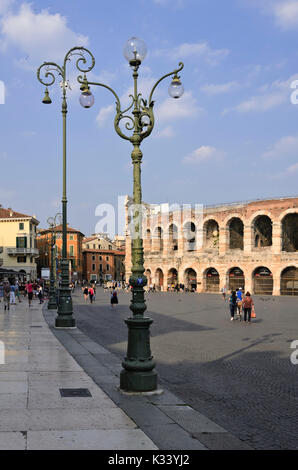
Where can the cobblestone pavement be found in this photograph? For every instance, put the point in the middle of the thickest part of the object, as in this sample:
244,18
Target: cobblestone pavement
238,375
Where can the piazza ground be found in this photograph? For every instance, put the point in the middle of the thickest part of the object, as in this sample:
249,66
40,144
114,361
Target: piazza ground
238,375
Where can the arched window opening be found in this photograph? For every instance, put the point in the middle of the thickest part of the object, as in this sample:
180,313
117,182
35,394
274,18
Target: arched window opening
262,231
190,236
211,235
290,233
173,237
212,280
236,232
263,281
289,281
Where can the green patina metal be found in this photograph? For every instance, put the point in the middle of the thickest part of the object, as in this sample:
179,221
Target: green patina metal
138,374
52,221
65,317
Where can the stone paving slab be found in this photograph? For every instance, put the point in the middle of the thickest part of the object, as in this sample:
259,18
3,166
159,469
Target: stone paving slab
133,439
33,414
13,440
191,420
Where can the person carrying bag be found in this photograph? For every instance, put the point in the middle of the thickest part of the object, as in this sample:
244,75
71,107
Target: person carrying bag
248,306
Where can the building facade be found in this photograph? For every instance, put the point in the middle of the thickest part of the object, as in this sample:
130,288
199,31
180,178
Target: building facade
103,265
18,249
74,250
253,245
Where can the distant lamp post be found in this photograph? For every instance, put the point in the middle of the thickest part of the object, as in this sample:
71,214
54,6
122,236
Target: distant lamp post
53,222
138,374
65,317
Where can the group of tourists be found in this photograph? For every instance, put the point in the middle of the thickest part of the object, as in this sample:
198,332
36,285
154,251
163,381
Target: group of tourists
89,292
241,304
11,291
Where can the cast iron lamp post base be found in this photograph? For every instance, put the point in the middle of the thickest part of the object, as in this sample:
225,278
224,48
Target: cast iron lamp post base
65,317
138,374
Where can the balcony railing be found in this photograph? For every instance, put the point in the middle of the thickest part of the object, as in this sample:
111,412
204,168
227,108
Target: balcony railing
22,251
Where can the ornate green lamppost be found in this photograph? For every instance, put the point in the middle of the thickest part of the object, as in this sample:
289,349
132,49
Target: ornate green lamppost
138,374
65,317
53,222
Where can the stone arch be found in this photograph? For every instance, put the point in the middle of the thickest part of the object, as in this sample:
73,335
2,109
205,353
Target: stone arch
189,235
211,234
256,214
173,235
236,278
262,281
289,228
262,231
289,281
158,238
172,278
211,280
190,279
148,276
159,278
148,240
235,228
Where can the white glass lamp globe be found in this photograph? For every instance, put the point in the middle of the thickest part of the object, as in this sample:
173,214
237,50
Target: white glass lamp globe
87,99
176,88
135,50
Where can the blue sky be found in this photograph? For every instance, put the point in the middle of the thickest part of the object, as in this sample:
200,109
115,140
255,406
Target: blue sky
233,136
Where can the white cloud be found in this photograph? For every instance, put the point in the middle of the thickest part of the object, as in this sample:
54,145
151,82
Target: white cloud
200,50
284,12
5,6
38,35
271,96
285,147
202,154
211,89
173,109
104,114
167,133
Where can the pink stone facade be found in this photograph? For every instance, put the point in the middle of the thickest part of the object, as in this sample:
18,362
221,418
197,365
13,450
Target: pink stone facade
252,245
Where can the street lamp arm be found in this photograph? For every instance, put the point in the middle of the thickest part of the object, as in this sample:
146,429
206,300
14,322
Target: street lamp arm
49,67
175,72
80,52
119,114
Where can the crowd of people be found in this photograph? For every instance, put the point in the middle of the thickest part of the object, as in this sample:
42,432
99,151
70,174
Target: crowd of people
13,291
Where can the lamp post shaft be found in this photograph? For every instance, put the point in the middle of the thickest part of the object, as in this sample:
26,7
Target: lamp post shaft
138,374
65,317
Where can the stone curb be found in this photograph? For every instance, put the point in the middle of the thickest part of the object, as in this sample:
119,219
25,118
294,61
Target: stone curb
168,421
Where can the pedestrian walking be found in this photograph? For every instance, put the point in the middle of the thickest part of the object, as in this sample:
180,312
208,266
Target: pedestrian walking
233,304
114,298
6,295
1,291
86,293
12,295
17,291
239,295
40,295
91,294
248,304
29,290
224,292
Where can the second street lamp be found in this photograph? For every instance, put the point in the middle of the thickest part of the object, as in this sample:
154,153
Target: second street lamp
138,374
52,222
65,317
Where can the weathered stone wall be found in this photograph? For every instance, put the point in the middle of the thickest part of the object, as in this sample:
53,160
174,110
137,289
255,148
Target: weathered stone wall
276,247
